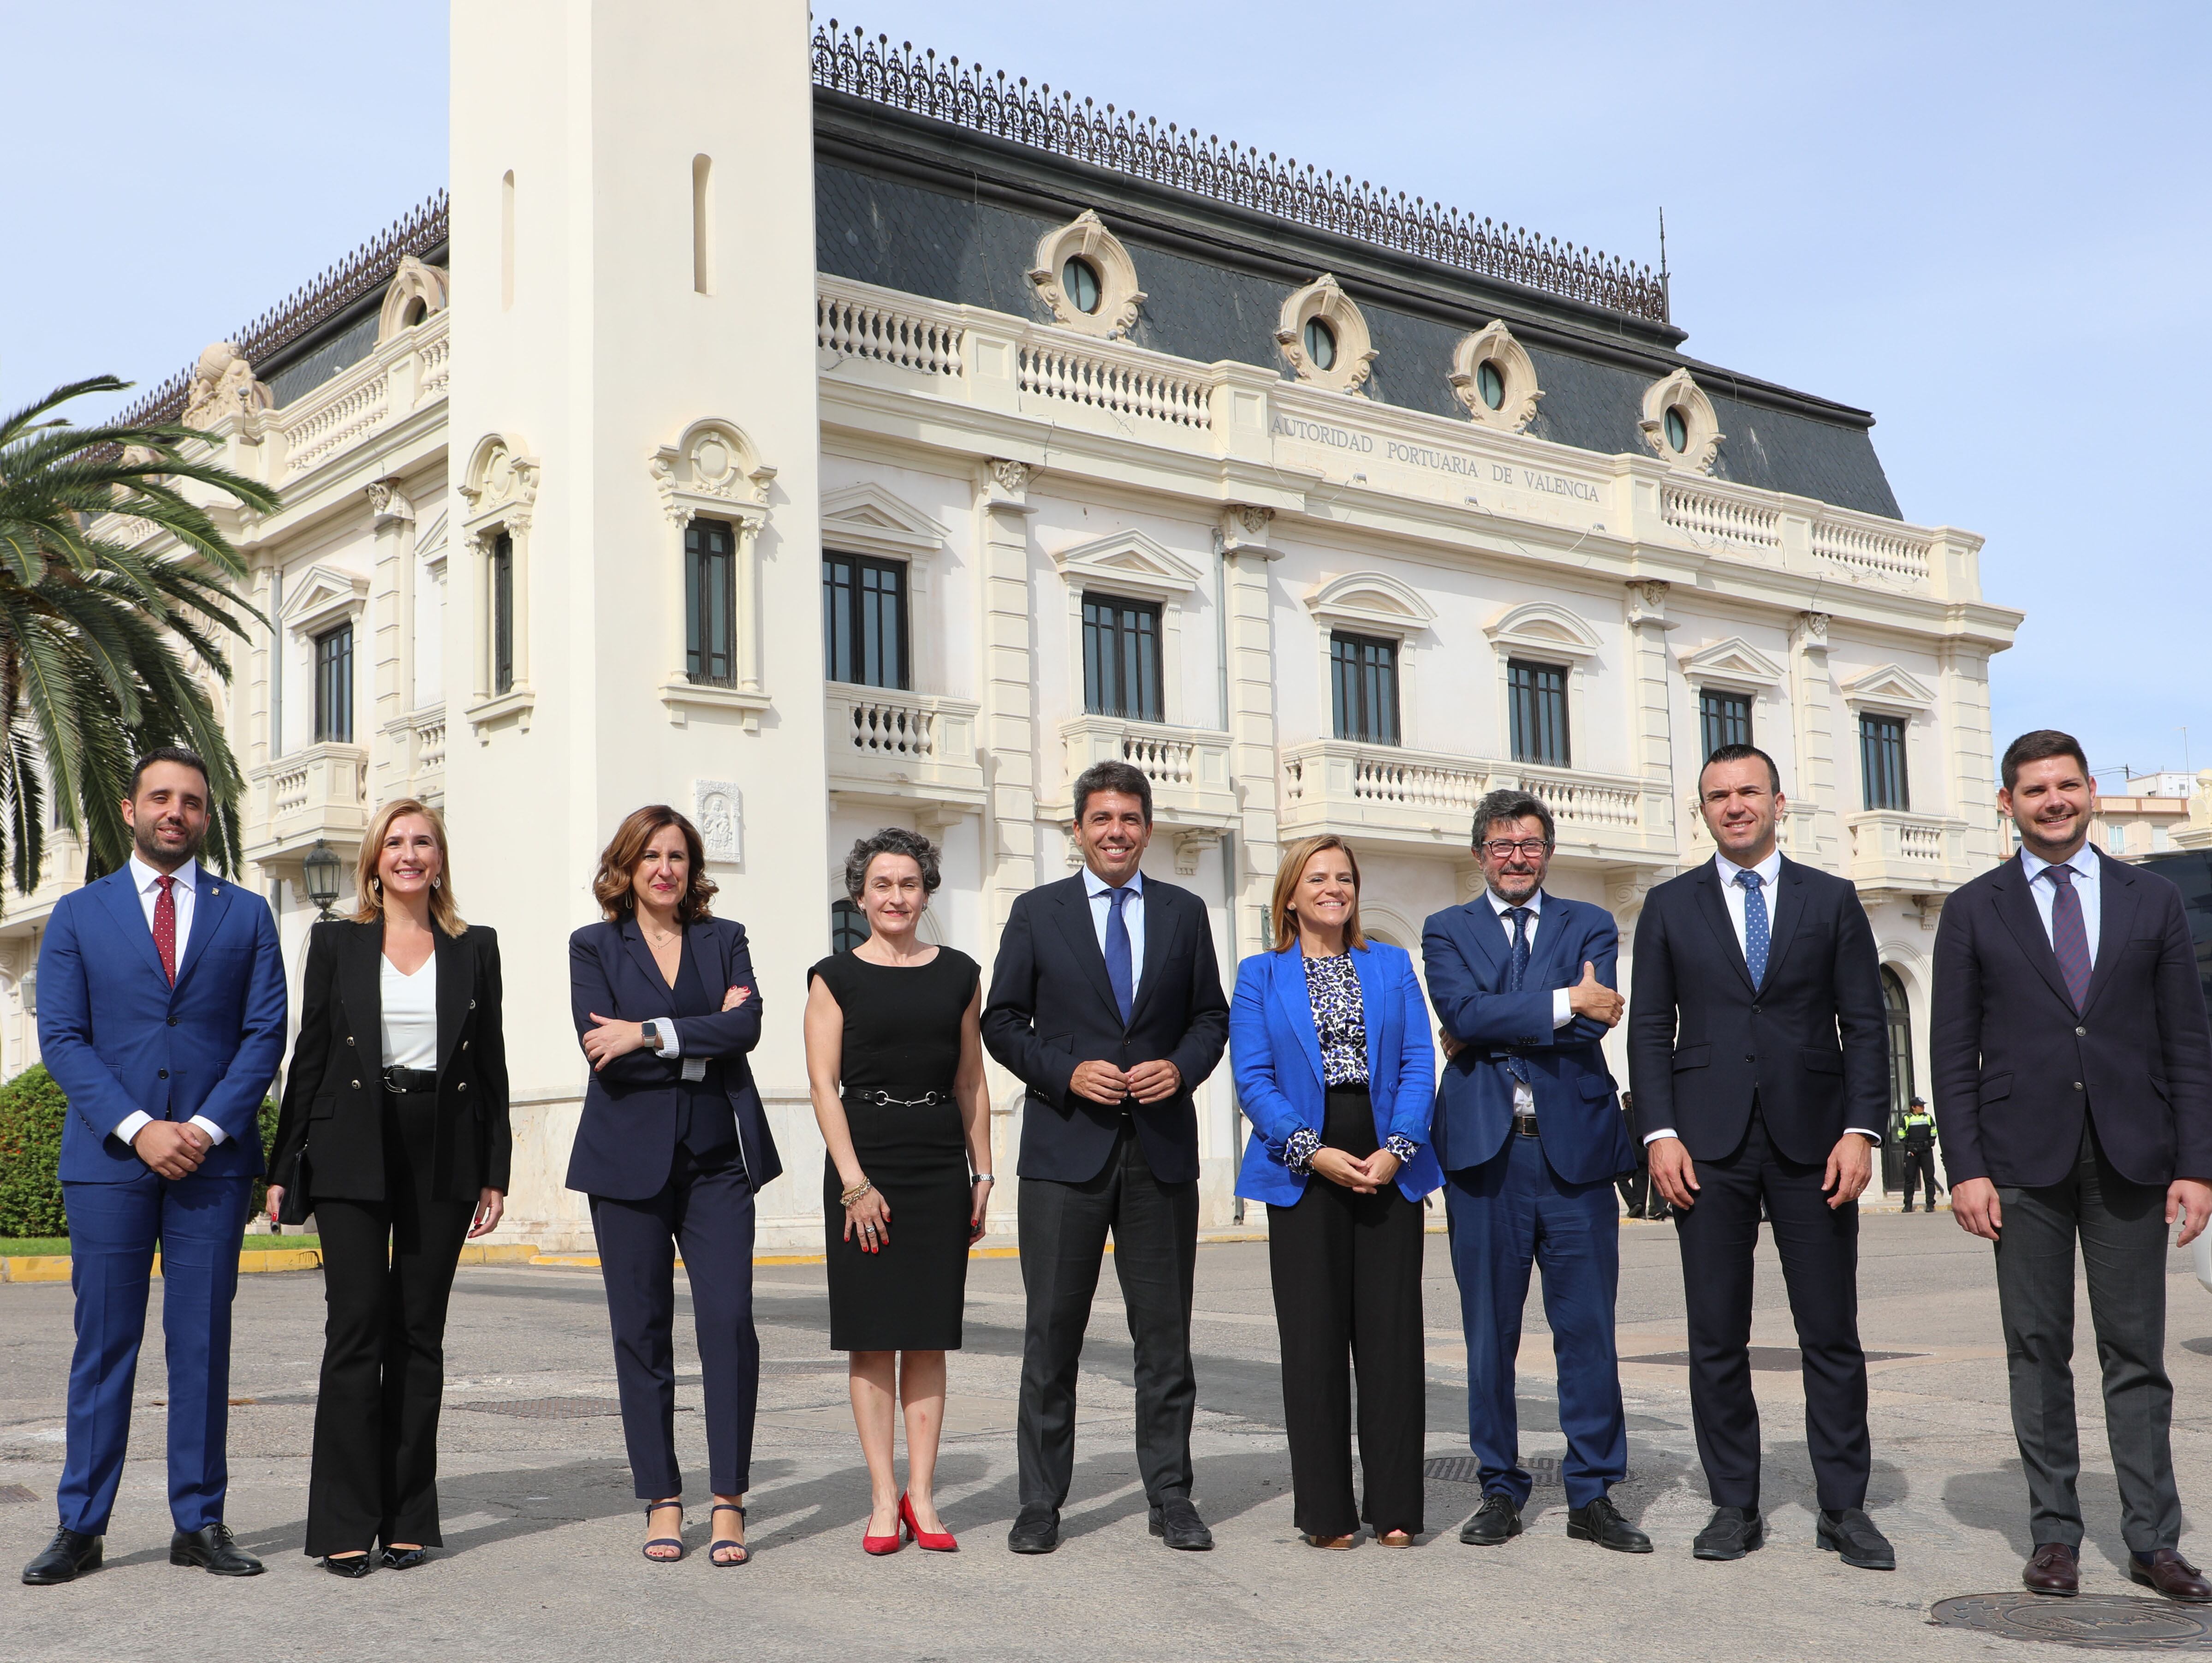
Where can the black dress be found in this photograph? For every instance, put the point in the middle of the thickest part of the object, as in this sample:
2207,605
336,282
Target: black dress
901,1043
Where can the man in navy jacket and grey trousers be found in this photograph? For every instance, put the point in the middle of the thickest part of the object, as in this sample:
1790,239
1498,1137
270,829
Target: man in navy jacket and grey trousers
2074,1087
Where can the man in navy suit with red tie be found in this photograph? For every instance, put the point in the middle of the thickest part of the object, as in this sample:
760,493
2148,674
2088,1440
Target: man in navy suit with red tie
162,1016
2073,1072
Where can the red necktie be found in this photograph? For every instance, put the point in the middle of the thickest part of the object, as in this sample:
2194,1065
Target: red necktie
165,926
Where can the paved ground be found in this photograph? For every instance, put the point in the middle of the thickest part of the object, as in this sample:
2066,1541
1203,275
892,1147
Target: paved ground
543,1561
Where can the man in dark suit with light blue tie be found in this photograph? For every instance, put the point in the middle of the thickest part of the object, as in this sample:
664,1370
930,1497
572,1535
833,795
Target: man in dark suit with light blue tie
2073,1071
1530,1141
162,1015
1106,1002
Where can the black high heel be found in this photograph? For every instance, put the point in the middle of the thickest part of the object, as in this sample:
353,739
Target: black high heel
353,1567
714,1553
675,1542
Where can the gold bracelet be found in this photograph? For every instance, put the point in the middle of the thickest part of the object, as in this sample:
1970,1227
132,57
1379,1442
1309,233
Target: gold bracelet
856,1192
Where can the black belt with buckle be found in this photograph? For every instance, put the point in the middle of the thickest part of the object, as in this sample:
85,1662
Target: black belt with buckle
1524,1125
402,1083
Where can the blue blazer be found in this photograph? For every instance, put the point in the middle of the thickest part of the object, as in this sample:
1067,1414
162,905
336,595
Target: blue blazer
1466,952
119,1039
1276,1053
626,1138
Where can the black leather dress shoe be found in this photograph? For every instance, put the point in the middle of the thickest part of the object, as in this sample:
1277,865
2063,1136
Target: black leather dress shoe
1600,1522
2171,1575
405,1558
1037,1530
1731,1533
68,1556
1851,1534
1176,1522
213,1548
1495,1523
353,1566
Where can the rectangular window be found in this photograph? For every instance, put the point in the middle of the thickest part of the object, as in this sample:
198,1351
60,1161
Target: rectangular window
1724,719
710,618
334,686
864,620
1882,762
1538,696
1122,658
502,614
1363,676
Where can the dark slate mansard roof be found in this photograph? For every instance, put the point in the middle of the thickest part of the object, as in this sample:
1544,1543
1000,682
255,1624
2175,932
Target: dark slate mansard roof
1215,275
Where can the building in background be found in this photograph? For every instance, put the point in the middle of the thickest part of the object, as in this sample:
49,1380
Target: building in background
889,443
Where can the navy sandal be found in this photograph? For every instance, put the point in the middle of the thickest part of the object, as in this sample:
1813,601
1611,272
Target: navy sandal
715,1552
675,1542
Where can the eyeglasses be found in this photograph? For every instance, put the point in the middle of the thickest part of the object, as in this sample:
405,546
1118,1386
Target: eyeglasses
1502,850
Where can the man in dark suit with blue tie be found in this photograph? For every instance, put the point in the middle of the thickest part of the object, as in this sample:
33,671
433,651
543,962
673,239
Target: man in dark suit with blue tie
2073,1072
1530,1141
162,1016
1106,1002
1758,1051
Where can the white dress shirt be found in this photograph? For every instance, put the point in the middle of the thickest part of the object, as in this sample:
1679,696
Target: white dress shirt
1132,919
2087,874
1524,1095
409,1008
146,880
1732,892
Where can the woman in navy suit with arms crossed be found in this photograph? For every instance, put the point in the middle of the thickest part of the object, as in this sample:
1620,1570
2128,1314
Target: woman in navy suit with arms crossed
1328,1035
673,1148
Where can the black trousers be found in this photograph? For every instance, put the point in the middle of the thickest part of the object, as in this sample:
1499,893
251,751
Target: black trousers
2122,1228
1063,1229
706,1205
1920,1173
1346,1270
1819,1251
387,1272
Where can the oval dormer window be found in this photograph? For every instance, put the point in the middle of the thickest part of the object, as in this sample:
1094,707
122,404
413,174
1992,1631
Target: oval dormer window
1320,344
1678,430
1079,281
1489,382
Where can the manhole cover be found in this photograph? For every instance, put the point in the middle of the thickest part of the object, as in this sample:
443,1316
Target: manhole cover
1542,1470
15,1492
1770,1359
2107,1621
547,1409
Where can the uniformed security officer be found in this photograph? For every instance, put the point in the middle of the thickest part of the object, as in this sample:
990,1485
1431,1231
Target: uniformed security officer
1919,1152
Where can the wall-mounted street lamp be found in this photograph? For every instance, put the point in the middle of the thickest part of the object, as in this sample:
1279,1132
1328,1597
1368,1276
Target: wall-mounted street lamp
320,869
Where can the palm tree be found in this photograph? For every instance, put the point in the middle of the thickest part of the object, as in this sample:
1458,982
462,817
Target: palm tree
104,649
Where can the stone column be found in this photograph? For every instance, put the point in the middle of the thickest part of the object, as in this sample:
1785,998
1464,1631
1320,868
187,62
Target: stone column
1255,768
1818,785
391,651
1651,728
1969,761
1007,721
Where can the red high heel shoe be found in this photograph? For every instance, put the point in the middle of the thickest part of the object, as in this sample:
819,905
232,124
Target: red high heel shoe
883,1544
932,1541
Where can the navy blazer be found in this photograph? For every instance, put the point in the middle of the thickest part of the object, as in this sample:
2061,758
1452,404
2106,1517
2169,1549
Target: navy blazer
1276,1051
118,1039
1052,1006
626,1140
1467,953
2016,1064
1810,1044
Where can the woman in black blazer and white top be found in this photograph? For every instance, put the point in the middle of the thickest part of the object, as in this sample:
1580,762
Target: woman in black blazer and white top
672,1147
394,1133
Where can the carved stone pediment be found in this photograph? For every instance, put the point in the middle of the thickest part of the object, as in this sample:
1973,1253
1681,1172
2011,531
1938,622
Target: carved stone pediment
222,385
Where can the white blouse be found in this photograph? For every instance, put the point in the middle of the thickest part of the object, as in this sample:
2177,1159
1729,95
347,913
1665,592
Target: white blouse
410,1014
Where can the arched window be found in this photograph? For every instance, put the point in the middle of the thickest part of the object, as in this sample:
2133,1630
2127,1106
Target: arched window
1899,1015
849,926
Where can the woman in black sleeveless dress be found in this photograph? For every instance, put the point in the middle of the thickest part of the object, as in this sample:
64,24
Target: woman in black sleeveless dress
894,1058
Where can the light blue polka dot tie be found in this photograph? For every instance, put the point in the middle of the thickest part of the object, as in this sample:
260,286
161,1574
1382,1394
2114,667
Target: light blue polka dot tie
1754,925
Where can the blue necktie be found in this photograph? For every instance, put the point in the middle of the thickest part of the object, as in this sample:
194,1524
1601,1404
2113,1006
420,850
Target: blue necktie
1516,972
2069,934
1120,968
1754,925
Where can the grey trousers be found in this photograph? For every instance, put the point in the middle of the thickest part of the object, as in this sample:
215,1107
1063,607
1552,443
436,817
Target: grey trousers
2122,1227
1063,1229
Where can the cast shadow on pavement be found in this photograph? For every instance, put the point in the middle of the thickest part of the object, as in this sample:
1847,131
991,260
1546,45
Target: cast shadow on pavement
1997,1501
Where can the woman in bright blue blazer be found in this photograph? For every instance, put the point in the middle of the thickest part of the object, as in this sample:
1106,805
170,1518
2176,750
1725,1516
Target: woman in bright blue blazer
1328,1035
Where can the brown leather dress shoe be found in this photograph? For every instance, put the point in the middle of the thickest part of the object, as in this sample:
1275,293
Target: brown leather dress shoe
2054,1568
2171,1575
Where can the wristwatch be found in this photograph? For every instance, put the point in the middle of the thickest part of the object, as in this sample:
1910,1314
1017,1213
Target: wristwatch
650,1033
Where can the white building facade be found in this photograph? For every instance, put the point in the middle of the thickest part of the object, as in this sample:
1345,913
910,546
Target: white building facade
884,447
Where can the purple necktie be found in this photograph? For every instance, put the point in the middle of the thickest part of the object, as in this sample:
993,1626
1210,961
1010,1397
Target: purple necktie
2069,939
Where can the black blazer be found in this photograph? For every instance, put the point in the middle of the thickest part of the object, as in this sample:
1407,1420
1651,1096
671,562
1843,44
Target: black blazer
626,1140
333,1107
1052,1006
1811,1042
2016,1064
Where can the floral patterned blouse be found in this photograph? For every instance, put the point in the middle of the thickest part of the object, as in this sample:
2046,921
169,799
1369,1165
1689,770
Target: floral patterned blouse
1340,1020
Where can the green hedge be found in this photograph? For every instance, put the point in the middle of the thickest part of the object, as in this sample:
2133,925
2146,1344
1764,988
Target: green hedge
32,1111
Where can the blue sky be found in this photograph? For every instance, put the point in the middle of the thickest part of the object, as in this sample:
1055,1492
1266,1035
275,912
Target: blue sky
1986,223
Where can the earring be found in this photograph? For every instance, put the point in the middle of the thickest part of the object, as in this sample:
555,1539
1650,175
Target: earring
435,882
377,884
